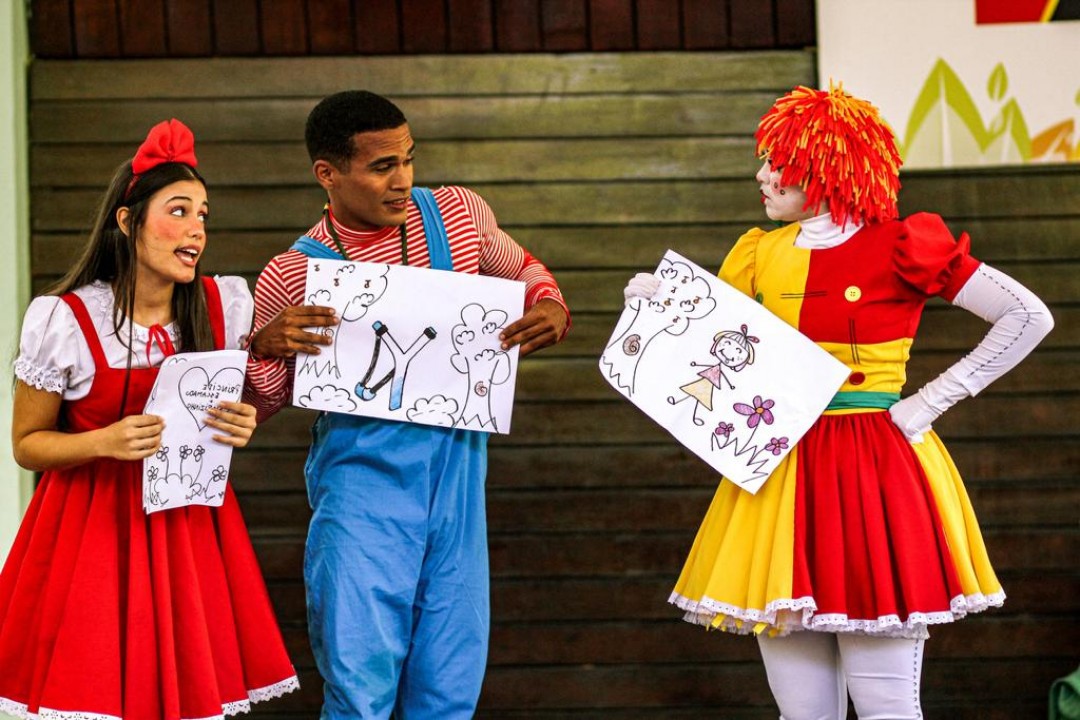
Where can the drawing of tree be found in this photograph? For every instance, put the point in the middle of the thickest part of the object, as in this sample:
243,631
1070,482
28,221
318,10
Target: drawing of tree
682,298
478,357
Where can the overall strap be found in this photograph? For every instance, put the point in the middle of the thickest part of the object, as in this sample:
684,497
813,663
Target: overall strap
437,242
313,248
216,312
88,330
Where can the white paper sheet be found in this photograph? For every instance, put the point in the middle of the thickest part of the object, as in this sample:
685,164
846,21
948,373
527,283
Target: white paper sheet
414,344
190,467
732,382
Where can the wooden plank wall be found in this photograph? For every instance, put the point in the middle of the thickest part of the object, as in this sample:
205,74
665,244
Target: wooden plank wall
597,164
229,28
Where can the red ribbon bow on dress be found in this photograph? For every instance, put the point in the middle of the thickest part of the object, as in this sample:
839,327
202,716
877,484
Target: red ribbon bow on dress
168,141
159,336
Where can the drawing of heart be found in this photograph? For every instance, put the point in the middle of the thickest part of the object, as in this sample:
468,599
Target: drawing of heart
199,391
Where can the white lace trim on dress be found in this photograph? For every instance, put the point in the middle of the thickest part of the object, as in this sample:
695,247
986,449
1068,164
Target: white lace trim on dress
788,615
49,379
273,691
19,710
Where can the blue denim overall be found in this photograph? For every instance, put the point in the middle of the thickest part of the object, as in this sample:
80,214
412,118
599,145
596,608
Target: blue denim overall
396,564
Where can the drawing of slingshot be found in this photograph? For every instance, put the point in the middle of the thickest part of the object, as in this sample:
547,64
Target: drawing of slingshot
400,359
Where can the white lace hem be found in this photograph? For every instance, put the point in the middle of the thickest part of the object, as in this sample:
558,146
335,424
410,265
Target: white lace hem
49,379
19,710
273,691
785,616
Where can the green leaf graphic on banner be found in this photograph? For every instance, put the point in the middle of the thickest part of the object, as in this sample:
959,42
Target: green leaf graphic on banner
1010,141
998,84
944,127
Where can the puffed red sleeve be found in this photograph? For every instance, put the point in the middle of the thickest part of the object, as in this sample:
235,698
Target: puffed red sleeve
930,259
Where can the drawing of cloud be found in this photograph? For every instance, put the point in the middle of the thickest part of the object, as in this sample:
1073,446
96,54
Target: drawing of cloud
367,286
328,397
319,297
435,410
682,296
478,328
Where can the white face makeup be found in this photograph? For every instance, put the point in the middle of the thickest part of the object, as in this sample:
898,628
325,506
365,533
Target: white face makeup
782,203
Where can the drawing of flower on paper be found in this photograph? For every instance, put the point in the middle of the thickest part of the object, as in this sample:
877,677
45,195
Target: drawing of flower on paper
777,445
760,411
723,429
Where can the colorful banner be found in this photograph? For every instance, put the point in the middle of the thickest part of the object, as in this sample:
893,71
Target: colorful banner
988,12
962,82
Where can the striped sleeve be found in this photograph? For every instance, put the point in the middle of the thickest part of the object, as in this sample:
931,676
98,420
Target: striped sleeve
269,381
501,256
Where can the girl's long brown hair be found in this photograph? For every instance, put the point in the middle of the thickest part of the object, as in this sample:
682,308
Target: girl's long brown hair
110,256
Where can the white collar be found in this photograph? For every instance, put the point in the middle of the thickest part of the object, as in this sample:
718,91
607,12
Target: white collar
818,233
101,293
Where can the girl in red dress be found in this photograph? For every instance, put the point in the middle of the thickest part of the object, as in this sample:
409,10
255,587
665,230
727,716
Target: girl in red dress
107,612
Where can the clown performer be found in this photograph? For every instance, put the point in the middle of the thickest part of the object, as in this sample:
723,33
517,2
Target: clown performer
863,537
396,563
107,612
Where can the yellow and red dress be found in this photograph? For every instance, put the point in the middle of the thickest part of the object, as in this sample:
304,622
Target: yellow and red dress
858,530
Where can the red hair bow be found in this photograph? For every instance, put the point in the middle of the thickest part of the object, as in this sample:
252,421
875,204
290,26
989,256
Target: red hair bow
168,141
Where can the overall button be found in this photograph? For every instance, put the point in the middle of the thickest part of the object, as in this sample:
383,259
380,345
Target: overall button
853,293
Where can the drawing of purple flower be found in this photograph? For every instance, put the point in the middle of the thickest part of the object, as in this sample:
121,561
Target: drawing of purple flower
777,445
757,413
723,429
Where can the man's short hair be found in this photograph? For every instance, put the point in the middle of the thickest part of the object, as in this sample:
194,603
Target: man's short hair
332,123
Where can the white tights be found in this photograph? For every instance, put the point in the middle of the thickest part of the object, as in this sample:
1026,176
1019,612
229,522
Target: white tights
812,673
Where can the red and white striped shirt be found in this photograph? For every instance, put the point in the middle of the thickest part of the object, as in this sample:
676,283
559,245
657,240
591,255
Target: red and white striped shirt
477,246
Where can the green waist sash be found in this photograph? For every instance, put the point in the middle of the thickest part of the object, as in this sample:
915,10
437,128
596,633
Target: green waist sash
853,399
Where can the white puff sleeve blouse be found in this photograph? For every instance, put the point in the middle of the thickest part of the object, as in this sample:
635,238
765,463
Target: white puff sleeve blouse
54,355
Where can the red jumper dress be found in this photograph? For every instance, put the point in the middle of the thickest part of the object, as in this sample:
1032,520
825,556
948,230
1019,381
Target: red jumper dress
107,612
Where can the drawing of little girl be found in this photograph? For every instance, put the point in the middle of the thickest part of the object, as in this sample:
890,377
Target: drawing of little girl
735,350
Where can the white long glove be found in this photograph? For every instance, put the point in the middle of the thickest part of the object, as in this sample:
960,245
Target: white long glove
1020,321
642,285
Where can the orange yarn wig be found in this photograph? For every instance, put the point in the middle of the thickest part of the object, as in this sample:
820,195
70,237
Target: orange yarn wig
837,148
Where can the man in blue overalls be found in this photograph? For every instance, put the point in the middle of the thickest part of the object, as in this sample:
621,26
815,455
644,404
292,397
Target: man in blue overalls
396,564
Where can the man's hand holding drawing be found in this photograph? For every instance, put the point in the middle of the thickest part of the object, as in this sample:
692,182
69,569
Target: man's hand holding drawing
285,334
542,325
